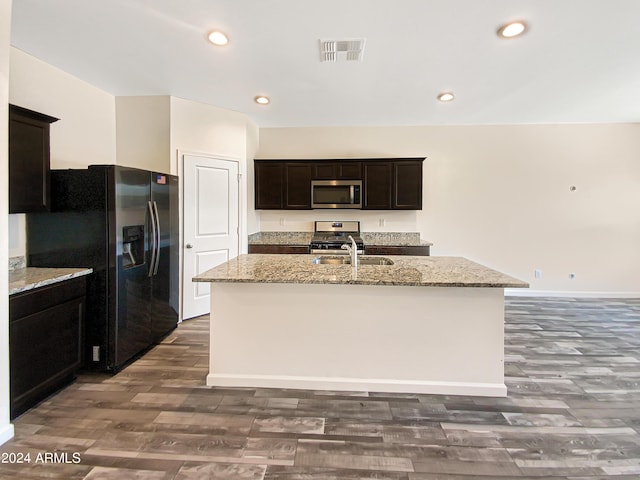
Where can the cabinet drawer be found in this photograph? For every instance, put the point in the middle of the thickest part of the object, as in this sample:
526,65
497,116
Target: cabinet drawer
417,250
32,301
281,249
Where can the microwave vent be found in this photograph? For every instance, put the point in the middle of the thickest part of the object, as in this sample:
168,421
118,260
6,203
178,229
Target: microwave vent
334,50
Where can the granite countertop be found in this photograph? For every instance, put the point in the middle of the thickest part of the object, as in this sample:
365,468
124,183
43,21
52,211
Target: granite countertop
369,238
280,238
393,239
28,278
407,271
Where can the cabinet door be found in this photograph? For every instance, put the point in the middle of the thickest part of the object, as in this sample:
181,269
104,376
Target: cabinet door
325,171
269,178
45,341
350,171
28,160
407,185
377,178
297,186
341,170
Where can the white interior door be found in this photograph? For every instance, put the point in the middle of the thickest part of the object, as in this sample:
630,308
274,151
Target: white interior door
210,203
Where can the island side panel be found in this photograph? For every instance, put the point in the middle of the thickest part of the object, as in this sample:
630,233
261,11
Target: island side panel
443,340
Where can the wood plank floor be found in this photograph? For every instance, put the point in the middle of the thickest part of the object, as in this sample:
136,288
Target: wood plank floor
573,413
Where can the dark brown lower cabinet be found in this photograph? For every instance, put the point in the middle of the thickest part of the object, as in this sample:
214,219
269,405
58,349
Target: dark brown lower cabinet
417,250
281,249
368,249
45,341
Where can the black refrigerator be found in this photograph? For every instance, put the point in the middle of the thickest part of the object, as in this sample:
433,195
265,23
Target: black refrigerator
124,223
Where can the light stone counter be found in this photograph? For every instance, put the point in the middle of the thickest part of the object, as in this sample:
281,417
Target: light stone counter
422,325
28,278
407,271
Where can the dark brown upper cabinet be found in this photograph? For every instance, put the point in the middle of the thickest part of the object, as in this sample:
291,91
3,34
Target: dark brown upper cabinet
346,170
269,185
407,185
377,185
29,160
388,183
297,186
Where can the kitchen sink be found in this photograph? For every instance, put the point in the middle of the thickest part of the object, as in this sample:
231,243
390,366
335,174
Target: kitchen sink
324,260
345,260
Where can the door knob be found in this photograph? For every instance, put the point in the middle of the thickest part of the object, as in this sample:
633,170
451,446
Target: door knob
188,245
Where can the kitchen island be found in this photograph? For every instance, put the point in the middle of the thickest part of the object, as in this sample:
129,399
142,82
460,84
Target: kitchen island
422,325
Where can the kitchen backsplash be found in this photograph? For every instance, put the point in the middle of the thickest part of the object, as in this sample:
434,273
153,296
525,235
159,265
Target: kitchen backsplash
16,263
370,221
303,238
280,238
391,238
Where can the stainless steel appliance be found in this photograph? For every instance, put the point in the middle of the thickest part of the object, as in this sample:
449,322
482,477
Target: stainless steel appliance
328,237
123,222
336,194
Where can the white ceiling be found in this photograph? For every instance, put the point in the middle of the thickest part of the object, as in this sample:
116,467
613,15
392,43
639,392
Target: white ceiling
579,61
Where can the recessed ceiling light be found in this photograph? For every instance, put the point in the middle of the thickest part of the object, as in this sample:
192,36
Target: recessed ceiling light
218,38
262,100
512,29
446,97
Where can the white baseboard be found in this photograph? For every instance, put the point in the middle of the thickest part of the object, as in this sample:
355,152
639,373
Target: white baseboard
523,292
6,433
358,385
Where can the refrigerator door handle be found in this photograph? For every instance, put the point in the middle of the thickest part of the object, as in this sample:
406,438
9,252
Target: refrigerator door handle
154,236
157,215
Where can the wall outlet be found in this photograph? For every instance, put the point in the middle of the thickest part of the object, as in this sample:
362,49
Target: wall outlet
538,273
382,222
282,221
572,276
96,353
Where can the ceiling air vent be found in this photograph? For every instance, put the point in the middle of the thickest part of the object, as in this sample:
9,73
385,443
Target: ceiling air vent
334,50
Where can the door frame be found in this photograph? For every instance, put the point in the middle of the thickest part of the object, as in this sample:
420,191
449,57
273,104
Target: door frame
180,154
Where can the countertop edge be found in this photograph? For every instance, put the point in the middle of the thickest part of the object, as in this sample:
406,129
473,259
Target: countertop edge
414,271
363,282
30,278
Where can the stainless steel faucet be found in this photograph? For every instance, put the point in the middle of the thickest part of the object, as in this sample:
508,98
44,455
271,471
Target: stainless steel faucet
353,251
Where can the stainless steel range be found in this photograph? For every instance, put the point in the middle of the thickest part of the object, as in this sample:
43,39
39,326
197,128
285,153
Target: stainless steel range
329,237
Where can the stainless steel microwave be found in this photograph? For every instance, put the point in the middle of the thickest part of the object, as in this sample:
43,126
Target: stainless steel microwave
336,194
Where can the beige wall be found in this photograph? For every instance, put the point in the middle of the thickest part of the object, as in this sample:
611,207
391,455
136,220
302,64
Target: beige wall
142,132
501,195
6,429
198,128
253,142
17,235
86,131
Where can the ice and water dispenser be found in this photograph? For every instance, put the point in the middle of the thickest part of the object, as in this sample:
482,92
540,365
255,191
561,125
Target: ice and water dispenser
132,246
